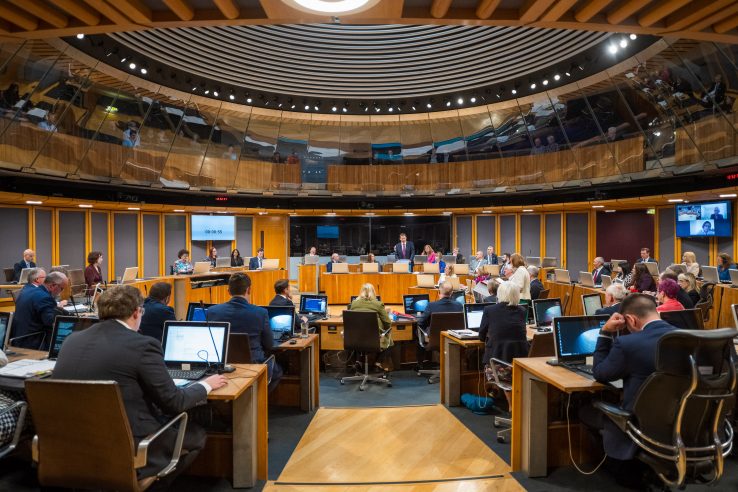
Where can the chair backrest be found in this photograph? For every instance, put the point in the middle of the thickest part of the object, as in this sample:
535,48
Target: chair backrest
542,345
9,274
543,294
441,322
706,292
502,374
239,348
361,331
84,440
705,307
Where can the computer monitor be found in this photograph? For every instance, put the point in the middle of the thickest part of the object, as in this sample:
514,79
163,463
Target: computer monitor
312,260
473,314
63,327
223,262
533,261
6,320
575,337
449,259
591,303
196,343
545,310
418,259
459,296
197,311
686,319
314,304
415,303
548,262
281,322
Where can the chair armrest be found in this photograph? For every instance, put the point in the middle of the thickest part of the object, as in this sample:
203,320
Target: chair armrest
619,416
501,362
385,332
143,447
269,362
18,426
10,341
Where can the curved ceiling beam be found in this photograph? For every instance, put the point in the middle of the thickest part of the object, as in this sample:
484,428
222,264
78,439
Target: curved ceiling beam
439,8
625,10
49,14
658,12
19,18
228,8
135,9
78,10
180,7
590,9
486,8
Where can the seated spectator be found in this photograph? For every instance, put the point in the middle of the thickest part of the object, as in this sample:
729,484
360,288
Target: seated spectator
725,263
35,312
502,328
538,147
682,295
536,286
157,310
388,358
492,287
642,280
614,295
667,296
688,284
551,146
183,264
131,135
689,260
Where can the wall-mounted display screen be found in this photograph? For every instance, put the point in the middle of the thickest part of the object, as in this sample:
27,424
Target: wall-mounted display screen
704,219
213,228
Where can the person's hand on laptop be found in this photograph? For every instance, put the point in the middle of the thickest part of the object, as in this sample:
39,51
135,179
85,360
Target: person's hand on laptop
216,381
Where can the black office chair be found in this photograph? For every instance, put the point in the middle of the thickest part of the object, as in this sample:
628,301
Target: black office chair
679,417
361,334
9,274
706,292
544,294
239,348
438,322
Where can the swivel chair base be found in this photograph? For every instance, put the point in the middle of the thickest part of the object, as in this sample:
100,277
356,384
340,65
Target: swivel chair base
366,377
434,375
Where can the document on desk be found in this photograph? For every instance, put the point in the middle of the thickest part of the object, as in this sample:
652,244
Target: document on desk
26,368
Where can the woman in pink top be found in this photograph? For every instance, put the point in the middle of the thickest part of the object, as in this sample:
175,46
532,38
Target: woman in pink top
667,293
428,251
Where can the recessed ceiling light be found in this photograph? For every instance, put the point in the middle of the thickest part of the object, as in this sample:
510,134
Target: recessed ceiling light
633,37
134,208
131,65
447,213
330,213
370,214
307,108
331,7
527,210
207,91
557,77
391,109
460,100
676,200
514,91
84,205
345,110
486,211
178,210
334,109
473,99
263,212
408,213
428,105
38,202
598,206
545,82
248,100
725,195
80,36
623,43
144,71
215,93
231,97
609,211
533,85
316,108
612,49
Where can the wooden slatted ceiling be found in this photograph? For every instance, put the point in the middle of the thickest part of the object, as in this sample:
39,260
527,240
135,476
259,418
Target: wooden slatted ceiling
709,20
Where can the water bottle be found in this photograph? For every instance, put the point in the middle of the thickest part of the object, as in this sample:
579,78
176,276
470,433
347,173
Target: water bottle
304,329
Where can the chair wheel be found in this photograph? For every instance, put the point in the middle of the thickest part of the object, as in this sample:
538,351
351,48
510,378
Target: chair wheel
342,381
430,381
361,389
501,440
494,424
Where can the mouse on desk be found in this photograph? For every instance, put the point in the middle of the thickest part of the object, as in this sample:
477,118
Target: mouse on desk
293,342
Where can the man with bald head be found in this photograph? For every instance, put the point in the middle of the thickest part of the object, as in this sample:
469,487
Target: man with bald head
444,304
26,262
600,269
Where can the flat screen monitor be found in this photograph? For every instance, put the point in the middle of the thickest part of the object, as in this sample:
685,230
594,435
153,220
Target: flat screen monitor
473,314
196,343
686,319
213,228
5,321
63,327
704,219
197,311
326,232
575,337
591,303
281,322
545,310
415,303
313,303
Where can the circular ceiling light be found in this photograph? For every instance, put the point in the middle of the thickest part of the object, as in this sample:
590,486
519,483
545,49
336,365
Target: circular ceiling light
331,6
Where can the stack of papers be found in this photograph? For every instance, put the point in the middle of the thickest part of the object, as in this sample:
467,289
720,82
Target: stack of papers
26,368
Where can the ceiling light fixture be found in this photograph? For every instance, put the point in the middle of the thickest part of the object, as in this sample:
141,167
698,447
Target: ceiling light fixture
676,200
84,205
514,91
134,208
39,202
612,49
545,82
724,195
609,211
345,109
473,100
598,206
486,211
557,77
460,101
633,37
132,66
533,85
178,210
623,43
527,210
334,109
80,36
332,6
429,105
231,97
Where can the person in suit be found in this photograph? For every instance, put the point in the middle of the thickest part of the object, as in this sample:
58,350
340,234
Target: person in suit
36,278
502,328
26,262
282,295
157,310
630,357
536,286
236,258
646,256
459,257
600,269
614,295
212,257
444,304
244,317
114,350
681,295
93,272
716,215
404,250
388,358
688,284
491,257
257,261
35,311
492,287
334,259
477,264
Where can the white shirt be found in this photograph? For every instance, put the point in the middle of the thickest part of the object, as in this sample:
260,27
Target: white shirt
521,279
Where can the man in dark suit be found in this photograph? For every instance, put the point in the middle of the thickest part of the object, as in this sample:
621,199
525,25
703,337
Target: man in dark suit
404,250
536,286
600,269
36,278
716,215
35,311
335,258
244,317
630,357
157,310
444,304
459,257
26,262
646,256
282,294
255,263
614,295
491,257
113,350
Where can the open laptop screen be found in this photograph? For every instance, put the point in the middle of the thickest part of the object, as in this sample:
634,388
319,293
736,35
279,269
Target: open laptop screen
545,310
191,342
4,329
473,314
415,304
197,311
281,321
575,337
591,303
65,326
313,304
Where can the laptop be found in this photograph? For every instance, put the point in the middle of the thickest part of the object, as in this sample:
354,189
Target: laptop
575,339
6,321
493,270
281,322
586,279
473,315
461,269
313,306
449,259
193,347
401,267
591,303
562,276
223,262
363,258
548,262
459,296
615,265
733,277
431,268
653,268
415,304
606,281
686,319
129,274
201,267
428,281
533,261
678,268
311,260
270,264
197,311
340,268
24,275
710,274
544,312
420,259
370,267
63,327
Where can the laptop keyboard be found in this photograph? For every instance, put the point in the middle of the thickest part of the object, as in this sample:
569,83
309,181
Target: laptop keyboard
314,316
584,368
182,374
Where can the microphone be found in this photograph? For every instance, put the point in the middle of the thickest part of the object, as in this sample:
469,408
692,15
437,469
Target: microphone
74,306
220,368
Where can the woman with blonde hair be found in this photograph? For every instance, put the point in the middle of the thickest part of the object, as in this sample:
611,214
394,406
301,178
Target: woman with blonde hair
520,277
367,301
689,284
428,251
689,260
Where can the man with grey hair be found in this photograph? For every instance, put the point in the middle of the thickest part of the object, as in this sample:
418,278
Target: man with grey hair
35,311
477,263
36,278
600,269
536,286
444,304
614,295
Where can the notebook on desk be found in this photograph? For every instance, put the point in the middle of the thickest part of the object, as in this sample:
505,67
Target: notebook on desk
192,347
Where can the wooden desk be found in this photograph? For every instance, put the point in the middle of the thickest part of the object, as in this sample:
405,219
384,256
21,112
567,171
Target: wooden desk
453,378
532,378
339,287
721,314
307,278
246,394
307,393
